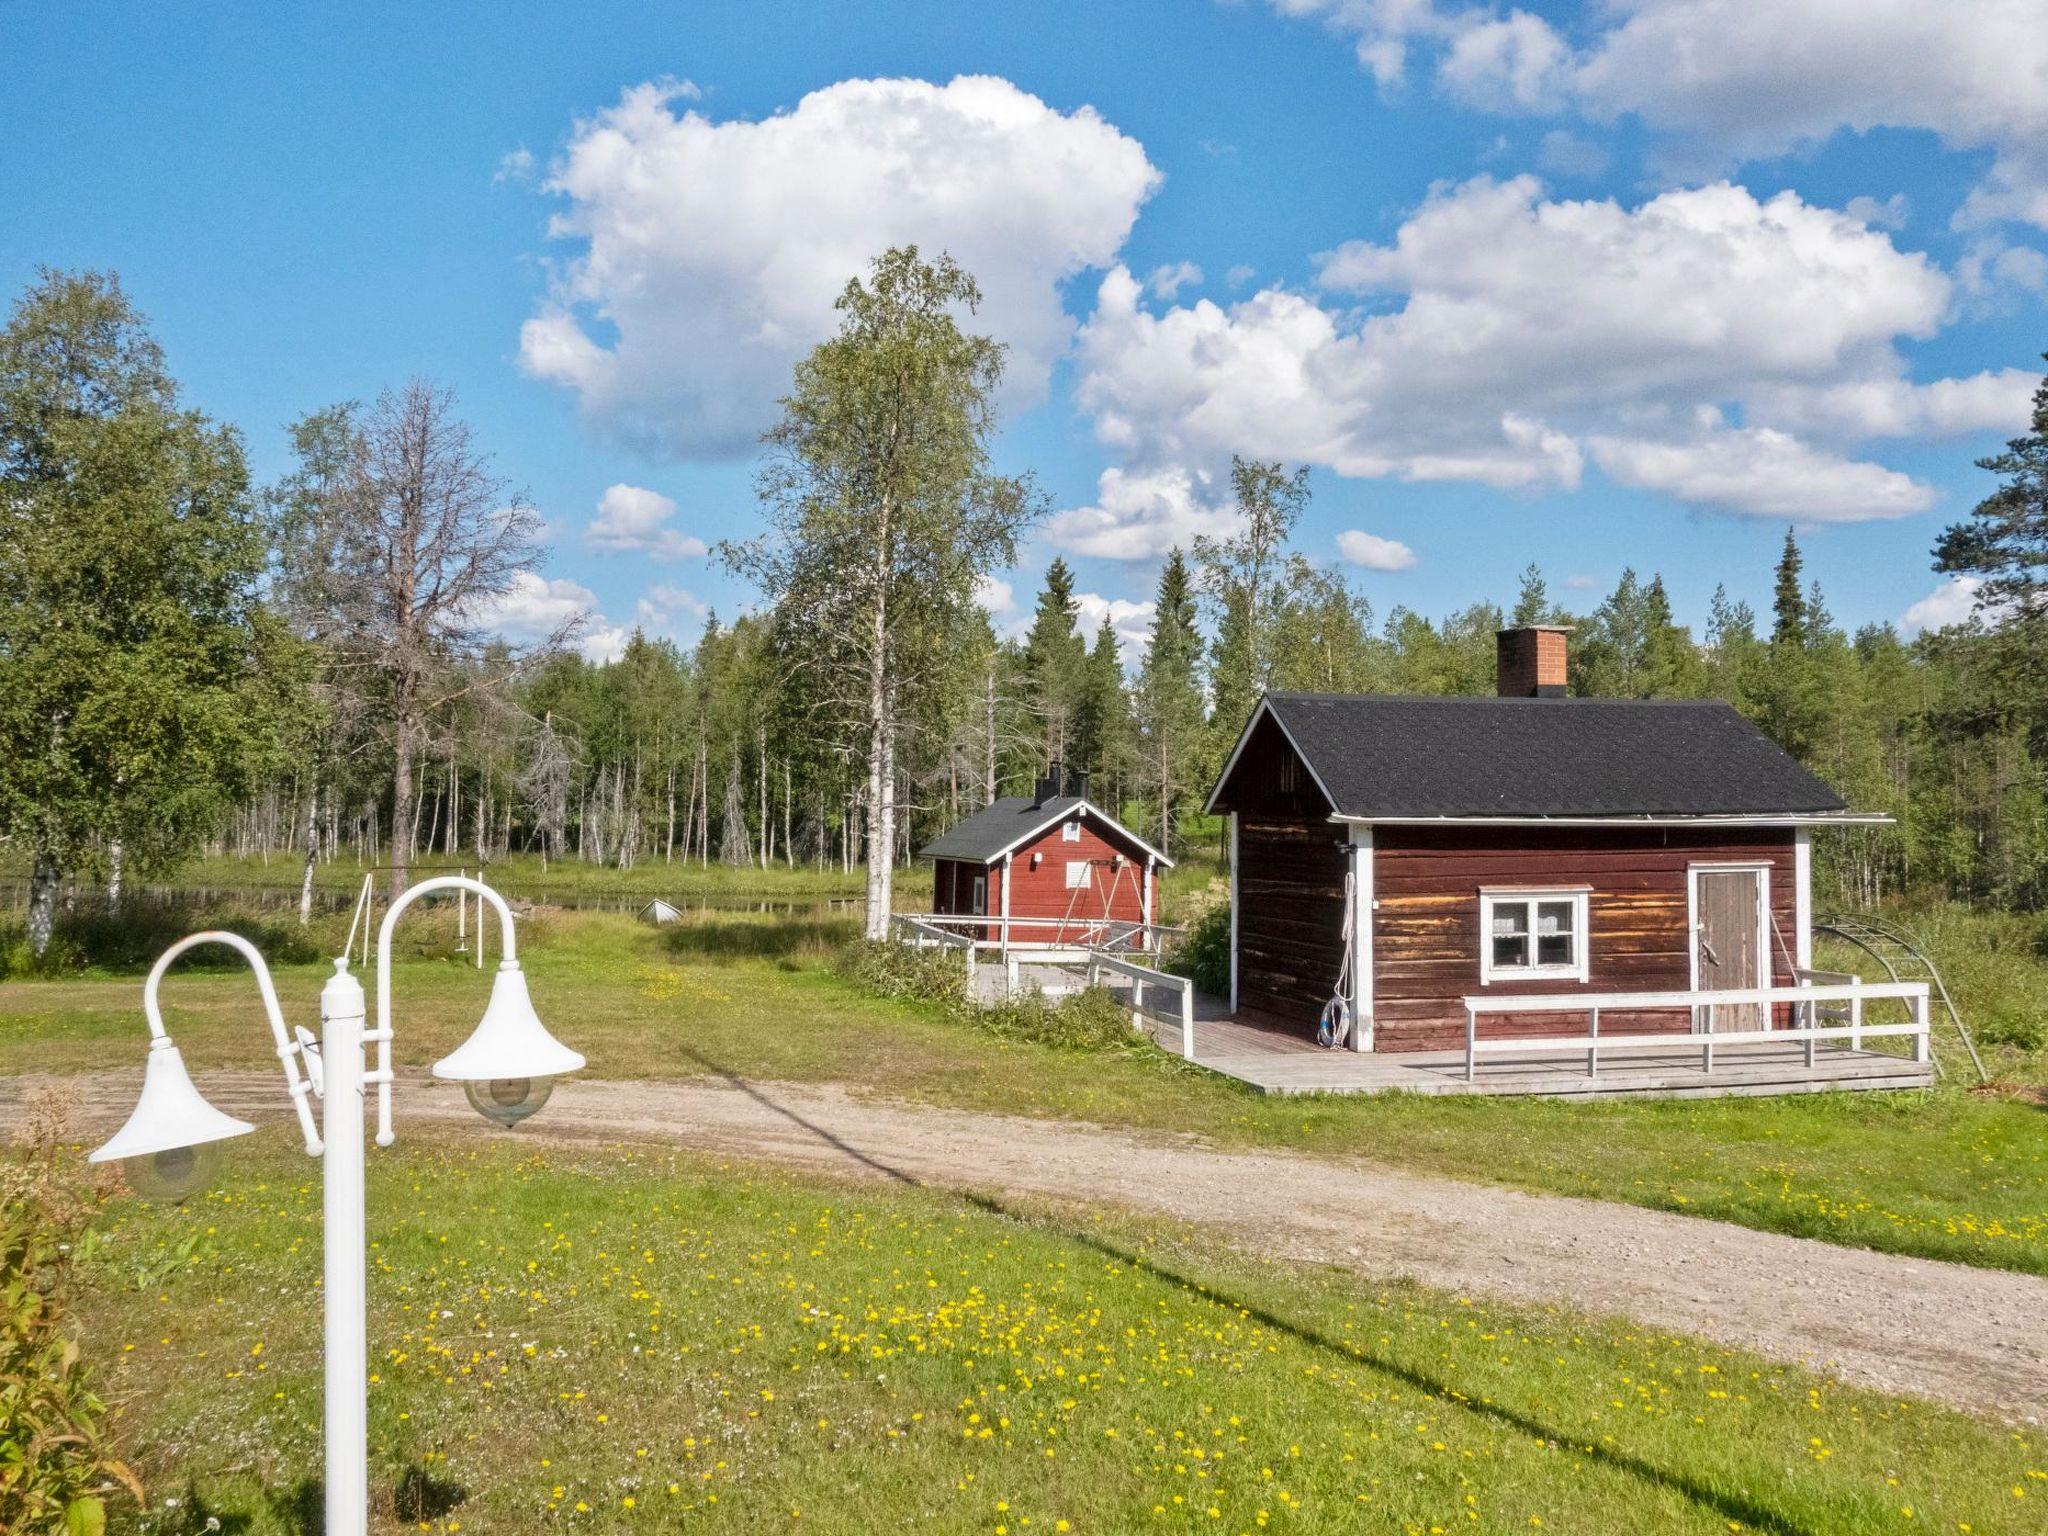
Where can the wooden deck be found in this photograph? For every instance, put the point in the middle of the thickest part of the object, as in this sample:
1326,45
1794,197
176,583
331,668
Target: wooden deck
1276,1060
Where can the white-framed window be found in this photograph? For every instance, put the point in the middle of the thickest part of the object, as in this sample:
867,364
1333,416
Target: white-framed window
1532,934
977,902
1077,875
1071,832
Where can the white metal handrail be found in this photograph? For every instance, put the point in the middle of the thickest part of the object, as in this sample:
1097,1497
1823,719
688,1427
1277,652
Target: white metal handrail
1143,976
1077,933
1854,993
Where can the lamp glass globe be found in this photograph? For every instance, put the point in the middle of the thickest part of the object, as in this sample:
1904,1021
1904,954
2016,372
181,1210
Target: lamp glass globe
173,1175
508,1100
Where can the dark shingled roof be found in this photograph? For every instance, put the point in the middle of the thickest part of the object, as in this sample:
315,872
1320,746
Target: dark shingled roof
1384,756
990,830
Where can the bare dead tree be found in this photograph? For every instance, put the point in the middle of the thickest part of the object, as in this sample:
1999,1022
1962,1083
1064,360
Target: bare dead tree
425,541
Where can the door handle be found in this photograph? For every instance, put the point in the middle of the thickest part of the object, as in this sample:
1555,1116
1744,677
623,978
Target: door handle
1708,950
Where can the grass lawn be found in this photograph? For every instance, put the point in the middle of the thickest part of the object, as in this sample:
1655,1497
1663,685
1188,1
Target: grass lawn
1945,1174
603,1339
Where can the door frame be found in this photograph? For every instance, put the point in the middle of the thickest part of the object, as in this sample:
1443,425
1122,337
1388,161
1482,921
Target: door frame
1762,869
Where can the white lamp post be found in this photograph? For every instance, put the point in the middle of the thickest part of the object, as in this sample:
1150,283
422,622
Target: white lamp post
507,1067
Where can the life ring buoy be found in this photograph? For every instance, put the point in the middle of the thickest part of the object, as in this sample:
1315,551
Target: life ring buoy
1334,1028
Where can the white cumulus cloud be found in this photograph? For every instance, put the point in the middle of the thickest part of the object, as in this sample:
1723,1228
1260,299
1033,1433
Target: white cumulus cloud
1166,282
1502,332
667,610
1950,603
1374,552
709,253
535,608
1759,472
633,520
1732,80
1143,515
1130,622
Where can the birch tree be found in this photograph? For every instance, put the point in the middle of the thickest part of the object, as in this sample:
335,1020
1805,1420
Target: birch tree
140,677
883,510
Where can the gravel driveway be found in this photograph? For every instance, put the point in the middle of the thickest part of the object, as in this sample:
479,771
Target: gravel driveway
1976,1338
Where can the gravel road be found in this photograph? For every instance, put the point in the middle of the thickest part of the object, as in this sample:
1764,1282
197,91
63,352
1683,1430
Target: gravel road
1975,1338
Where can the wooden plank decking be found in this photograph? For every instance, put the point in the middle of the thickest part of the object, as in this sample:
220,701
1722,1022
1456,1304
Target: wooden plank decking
1277,1060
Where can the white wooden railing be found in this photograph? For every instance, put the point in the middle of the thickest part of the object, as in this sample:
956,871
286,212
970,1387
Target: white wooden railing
1814,1000
922,933
1141,977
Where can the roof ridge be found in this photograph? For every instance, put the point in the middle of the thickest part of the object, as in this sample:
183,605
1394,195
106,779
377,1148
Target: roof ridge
1486,698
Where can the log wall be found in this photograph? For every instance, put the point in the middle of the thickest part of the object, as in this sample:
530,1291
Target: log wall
1290,915
1426,927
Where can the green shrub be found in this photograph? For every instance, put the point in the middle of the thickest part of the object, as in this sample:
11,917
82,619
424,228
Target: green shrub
55,1473
1203,956
89,937
909,975
1093,1020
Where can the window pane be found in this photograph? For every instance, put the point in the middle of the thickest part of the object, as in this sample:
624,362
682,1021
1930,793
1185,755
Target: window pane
1510,934
1554,921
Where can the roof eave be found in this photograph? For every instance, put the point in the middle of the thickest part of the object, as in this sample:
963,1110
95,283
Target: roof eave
1084,806
1644,819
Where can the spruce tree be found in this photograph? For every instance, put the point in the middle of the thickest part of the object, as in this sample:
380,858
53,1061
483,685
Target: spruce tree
1170,697
1788,598
1055,661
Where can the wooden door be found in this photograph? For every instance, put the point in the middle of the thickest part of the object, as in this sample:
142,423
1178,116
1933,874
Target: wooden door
1730,945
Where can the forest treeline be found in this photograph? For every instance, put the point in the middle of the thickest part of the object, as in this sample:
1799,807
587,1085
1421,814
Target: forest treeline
189,660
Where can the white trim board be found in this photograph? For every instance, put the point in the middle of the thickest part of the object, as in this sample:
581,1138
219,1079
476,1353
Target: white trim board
1362,892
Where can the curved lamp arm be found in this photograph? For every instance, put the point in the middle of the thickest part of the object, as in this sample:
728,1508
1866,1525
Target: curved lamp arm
287,1048
382,1033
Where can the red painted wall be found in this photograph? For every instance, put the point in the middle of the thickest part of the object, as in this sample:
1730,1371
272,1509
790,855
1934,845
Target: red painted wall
1426,934
1117,893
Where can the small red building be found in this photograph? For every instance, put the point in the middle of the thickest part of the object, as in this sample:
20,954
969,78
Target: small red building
1417,852
1049,868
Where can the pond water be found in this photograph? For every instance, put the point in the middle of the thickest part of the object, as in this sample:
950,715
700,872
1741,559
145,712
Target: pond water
280,898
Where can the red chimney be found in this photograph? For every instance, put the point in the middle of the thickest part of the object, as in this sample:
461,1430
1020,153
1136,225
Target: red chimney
1530,663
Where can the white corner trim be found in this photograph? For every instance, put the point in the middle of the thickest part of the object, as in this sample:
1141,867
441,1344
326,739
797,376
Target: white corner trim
1802,898
1233,912
1361,938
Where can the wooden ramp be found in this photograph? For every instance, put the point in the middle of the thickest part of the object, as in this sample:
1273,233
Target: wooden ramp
1274,1059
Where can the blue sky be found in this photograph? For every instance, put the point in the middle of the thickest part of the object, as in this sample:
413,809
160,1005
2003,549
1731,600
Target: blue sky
1635,285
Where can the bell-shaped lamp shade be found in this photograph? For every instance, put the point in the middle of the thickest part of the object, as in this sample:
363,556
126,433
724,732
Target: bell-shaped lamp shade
170,1114
511,1042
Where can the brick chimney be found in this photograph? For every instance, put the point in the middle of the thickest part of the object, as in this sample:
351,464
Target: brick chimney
1530,663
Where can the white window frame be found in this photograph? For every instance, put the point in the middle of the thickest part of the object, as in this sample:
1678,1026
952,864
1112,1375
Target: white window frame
1577,895
977,895
1087,875
1070,832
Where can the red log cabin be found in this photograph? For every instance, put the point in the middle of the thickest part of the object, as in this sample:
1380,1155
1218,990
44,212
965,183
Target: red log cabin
1431,849
1050,869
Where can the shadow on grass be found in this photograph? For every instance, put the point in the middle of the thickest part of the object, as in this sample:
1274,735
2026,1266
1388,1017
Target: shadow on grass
1729,1506
418,1495
780,937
